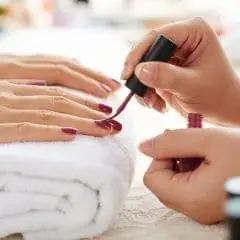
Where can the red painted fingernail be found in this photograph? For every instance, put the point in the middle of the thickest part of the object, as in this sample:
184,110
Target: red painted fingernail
116,81
69,130
106,88
104,124
116,125
104,108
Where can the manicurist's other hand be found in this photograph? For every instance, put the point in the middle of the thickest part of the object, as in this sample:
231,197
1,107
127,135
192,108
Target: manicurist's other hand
198,194
199,78
34,106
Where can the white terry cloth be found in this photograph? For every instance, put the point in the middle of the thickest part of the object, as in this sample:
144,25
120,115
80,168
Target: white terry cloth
64,190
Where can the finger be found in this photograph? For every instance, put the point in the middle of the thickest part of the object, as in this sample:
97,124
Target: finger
166,76
44,117
54,74
26,132
54,103
179,143
137,53
168,186
152,100
160,105
57,91
28,82
10,56
74,66
183,33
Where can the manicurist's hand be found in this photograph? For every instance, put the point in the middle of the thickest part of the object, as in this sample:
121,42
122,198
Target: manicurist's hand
198,194
30,110
199,78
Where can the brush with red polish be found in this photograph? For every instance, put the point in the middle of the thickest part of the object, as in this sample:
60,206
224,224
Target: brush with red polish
192,163
161,51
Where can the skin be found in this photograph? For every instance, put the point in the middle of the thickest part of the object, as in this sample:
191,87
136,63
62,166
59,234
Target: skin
198,79
34,106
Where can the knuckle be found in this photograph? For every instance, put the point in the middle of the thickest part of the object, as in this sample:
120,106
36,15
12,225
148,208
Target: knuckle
57,91
46,115
200,22
167,134
153,33
58,102
4,98
60,99
60,70
22,127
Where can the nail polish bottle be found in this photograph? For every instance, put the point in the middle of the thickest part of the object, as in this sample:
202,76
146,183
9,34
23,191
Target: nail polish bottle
161,51
191,163
232,211
232,188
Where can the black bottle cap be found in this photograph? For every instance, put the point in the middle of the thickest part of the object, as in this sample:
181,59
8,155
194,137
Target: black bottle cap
232,187
232,210
161,51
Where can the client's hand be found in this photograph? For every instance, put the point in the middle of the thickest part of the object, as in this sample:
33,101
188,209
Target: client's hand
56,70
44,113
198,194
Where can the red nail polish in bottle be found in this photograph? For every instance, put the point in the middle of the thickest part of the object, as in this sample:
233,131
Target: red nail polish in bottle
189,164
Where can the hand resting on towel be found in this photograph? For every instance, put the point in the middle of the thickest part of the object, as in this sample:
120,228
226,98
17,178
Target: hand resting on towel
35,107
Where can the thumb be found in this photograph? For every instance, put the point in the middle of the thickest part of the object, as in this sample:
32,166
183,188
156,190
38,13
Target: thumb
192,142
165,76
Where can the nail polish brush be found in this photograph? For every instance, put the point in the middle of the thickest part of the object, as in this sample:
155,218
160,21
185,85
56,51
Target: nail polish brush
161,51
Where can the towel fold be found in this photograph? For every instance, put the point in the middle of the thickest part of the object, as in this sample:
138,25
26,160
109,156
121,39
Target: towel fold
65,190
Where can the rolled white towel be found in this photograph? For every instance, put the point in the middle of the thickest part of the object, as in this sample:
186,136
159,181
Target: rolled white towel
65,190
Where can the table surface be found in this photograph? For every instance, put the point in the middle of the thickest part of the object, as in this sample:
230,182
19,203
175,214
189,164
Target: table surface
143,216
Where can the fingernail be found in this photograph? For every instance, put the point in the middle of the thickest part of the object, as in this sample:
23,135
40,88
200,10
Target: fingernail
37,83
69,130
161,107
104,124
127,71
148,101
116,81
147,146
116,125
165,109
106,88
143,70
104,108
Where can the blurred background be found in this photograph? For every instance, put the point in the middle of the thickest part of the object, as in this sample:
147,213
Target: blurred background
129,18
